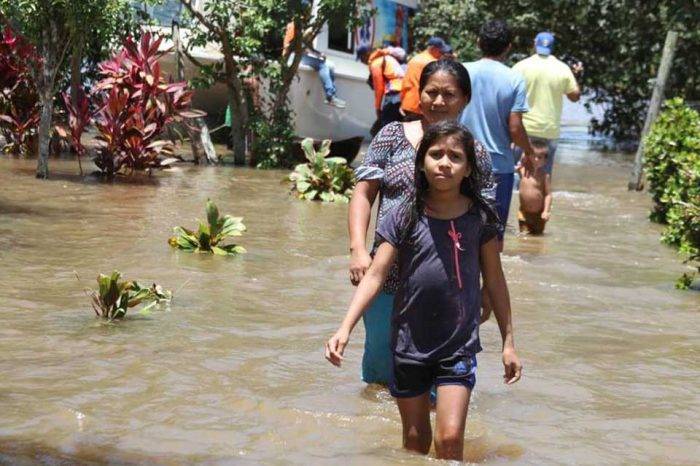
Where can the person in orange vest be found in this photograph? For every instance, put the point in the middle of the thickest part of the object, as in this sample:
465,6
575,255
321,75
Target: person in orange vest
386,77
410,96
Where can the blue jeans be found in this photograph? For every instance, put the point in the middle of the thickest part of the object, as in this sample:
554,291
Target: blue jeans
325,72
504,194
378,358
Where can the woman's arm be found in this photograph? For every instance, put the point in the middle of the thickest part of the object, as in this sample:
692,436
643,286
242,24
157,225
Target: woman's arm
495,283
359,213
369,288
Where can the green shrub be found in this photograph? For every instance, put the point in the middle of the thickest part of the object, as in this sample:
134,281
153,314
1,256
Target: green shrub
115,296
672,166
326,178
272,140
210,235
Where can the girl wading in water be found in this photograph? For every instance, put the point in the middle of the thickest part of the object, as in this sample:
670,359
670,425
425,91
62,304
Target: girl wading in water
444,240
387,172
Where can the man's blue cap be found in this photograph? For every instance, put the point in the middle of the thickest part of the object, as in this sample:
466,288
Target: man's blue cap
544,43
438,43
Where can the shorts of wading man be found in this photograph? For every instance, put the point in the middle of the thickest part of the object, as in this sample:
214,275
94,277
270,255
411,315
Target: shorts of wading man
531,222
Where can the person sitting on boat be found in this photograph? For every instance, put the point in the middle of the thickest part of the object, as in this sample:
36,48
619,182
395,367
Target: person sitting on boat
386,76
316,60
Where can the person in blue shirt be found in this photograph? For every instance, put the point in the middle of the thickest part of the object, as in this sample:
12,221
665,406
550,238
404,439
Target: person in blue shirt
495,113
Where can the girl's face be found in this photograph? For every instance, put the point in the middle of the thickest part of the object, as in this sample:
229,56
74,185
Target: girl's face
441,98
446,164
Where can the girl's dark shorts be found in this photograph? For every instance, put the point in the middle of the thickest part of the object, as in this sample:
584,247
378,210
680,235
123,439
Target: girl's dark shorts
412,378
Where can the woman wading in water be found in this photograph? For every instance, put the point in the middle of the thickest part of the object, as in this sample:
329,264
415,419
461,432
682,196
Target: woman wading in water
387,171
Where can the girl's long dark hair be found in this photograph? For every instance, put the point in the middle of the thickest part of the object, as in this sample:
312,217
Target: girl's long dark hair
471,186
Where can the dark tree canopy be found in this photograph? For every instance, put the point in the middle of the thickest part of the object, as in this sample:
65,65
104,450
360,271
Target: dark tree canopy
619,42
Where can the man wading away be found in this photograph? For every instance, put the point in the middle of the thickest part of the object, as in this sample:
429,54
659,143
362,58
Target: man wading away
494,115
547,80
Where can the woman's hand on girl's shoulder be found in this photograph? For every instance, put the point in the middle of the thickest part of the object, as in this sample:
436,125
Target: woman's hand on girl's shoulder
335,346
511,364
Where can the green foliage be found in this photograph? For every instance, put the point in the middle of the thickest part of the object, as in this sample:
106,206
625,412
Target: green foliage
672,167
323,178
208,237
272,139
115,296
249,34
619,42
92,27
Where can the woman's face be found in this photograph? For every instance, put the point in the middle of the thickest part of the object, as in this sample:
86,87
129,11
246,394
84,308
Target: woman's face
441,98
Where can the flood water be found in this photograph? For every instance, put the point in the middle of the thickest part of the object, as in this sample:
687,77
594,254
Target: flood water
234,372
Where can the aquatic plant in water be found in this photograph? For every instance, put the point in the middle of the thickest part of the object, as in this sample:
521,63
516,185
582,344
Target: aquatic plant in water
115,296
326,178
210,235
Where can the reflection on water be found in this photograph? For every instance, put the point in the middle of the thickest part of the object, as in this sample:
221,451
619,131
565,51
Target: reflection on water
234,372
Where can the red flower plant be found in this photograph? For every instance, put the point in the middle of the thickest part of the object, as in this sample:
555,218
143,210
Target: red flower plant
135,106
19,101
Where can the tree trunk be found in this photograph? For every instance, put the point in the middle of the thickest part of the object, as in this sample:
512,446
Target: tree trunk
657,97
76,60
238,115
45,86
198,132
46,101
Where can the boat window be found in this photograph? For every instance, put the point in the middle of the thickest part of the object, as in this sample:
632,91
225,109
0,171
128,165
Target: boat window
340,38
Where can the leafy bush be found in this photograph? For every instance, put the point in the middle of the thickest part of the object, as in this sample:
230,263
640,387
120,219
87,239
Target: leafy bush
326,178
672,165
115,296
19,101
136,104
208,237
272,139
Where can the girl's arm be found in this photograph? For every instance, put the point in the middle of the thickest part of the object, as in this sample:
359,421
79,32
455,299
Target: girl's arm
368,289
359,212
495,283
547,197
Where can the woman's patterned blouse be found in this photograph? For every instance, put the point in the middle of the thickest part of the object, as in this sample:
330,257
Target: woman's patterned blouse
391,159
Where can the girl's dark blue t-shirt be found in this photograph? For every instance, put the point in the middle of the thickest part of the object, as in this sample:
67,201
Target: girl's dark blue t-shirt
437,305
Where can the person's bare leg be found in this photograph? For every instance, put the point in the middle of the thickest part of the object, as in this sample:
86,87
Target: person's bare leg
415,417
450,420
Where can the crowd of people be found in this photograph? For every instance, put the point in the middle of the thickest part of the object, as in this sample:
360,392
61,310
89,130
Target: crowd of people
450,139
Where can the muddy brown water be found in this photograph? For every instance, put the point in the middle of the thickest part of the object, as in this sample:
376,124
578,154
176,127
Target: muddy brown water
234,373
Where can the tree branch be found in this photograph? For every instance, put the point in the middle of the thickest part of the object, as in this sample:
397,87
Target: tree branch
197,14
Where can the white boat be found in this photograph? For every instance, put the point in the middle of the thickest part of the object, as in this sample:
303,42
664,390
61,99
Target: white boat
313,117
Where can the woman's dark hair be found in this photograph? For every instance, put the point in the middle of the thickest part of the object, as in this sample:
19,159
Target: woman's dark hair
494,38
452,67
471,186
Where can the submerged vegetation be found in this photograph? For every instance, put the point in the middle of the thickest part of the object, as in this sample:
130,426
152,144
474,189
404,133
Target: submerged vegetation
210,235
672,164
115,296
324,178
